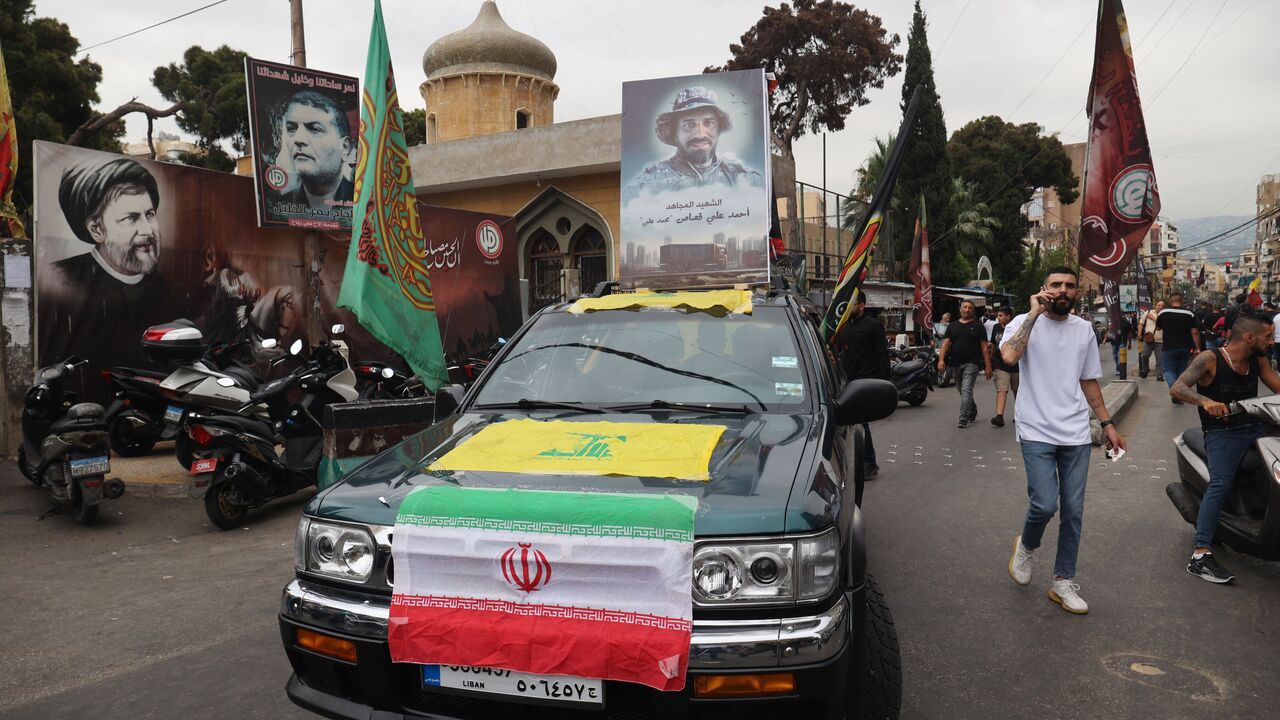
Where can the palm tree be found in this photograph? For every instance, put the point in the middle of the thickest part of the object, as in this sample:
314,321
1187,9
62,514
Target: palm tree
868,175
975,225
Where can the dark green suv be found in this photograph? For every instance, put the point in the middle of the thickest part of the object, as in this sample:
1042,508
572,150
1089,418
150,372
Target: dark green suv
806,634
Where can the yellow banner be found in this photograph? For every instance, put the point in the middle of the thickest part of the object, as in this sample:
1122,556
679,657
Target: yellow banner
733,301
557,447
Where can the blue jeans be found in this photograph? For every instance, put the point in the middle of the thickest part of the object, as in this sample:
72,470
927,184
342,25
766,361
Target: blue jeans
1115,355
868,450
1174,362
1224,447
1055,473
966,376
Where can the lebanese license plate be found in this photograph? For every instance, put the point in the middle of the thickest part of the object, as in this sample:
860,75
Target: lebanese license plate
173,414
204,465
84,467
558,688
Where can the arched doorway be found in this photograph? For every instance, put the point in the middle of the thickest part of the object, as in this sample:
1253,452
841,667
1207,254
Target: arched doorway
589,254
544,261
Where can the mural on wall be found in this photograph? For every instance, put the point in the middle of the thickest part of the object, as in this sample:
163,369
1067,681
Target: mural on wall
122,244
696,184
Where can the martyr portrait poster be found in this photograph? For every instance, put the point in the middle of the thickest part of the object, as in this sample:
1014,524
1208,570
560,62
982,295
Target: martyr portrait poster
303,129
696,185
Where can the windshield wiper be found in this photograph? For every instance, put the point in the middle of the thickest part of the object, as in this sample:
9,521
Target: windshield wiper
528,404
692,407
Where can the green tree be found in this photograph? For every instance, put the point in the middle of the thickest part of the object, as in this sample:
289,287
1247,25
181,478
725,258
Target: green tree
926,167
53,93
826,55
209,90
415,126
973,234
1005,163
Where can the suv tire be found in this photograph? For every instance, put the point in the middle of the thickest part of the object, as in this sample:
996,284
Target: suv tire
876,684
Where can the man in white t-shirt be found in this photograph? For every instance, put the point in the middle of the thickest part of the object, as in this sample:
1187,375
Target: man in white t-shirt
1275,346
1057,357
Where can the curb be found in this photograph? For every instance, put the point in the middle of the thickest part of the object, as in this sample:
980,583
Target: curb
1118,396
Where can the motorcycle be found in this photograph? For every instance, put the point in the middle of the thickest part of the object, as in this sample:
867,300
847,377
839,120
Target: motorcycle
64,445
150,406
379,381
910,372
235,463
466,373
1250,520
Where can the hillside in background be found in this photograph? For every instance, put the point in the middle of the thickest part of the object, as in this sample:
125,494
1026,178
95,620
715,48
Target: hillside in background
1194,230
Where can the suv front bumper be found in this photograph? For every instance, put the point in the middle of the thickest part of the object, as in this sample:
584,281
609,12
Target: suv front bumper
814,647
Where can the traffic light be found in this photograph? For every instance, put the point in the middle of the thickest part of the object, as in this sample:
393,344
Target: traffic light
1228,267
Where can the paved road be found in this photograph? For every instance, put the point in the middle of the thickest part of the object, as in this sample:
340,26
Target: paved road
156,615
1156,643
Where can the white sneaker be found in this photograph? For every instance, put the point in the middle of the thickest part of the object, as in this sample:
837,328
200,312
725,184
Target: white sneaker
1020,563
1067,594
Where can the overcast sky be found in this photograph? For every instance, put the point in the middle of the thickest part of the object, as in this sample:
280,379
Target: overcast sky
1206,68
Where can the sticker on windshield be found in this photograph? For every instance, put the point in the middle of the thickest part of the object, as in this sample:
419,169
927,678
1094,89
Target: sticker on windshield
788,389
784,361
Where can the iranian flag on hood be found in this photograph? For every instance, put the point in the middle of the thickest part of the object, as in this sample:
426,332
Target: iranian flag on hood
594,585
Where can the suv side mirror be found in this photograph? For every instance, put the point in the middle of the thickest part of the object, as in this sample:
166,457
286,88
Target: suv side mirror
449,399
866,400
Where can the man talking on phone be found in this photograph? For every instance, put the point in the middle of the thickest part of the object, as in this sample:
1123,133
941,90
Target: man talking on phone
1057,358
1215,378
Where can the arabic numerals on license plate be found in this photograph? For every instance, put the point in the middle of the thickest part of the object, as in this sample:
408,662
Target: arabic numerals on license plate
558,689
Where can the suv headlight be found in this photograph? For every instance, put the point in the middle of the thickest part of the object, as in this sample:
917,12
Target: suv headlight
766,572
345,552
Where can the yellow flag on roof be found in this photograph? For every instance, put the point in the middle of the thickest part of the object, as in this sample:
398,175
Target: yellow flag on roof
732,301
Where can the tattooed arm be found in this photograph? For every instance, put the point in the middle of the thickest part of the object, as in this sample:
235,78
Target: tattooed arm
1202,367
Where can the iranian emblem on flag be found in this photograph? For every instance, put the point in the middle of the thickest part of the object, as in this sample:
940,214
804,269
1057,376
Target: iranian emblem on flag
592,585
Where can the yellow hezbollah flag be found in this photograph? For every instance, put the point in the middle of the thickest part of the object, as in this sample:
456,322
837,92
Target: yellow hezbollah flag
733,301
557,447
8,161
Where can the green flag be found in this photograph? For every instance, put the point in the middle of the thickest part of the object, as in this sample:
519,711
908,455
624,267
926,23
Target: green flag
385,282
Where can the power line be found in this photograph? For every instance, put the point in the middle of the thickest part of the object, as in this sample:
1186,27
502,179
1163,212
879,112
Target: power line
1156,24
953,29
83,50
1190,54
1050,70
1168,30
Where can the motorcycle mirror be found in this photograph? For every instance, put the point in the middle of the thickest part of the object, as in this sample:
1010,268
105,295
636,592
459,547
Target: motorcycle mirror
226,382
502,341
269,343
296,347
337,328
388,373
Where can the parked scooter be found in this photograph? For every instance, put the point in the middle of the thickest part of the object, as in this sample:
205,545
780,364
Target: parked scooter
379,381
910,373
64,445
235,463
1250,520
150,406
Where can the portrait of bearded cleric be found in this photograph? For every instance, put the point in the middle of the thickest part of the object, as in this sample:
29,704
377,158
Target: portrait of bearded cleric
111,286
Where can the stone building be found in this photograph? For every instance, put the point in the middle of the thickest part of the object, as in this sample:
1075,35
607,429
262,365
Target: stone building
493,146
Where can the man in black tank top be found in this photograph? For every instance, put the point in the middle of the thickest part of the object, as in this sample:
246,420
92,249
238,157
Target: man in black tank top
1213,380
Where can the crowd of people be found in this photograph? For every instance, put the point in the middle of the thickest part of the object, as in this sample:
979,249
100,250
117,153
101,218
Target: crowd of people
1209,357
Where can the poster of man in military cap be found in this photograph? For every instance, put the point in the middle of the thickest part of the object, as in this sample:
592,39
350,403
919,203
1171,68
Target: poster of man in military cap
302,128
696,185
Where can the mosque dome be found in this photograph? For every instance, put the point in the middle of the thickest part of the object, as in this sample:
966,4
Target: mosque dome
488,44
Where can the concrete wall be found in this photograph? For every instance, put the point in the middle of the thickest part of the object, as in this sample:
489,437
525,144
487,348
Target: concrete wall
17,353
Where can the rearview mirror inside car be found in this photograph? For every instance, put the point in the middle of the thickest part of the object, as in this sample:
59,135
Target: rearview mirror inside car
866,400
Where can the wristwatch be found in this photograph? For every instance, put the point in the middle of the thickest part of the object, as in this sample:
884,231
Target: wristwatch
1105,423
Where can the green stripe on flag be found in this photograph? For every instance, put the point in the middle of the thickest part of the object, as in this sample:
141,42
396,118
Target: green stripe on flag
641,516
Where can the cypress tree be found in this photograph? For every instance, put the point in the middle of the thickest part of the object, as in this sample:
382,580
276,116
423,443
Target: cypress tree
926,168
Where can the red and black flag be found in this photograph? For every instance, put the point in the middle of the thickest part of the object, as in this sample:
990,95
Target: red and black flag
1200,280
921,277
777,247
855,267
1120,196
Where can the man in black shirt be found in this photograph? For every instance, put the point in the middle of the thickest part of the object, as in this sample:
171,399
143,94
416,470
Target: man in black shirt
1005,375
864,353
1207,321
1213,380
966,348
1181,338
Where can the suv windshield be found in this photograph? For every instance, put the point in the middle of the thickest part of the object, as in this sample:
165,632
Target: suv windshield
615,357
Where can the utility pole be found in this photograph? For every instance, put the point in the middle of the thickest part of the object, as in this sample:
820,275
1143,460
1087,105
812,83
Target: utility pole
825,261
299,55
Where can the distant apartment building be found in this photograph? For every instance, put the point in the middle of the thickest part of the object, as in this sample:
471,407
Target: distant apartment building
168,148
1267,233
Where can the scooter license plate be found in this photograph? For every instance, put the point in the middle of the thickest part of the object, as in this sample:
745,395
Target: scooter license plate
204,465
84,467
173,414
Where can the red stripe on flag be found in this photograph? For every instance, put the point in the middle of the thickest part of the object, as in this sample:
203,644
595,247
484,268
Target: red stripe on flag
547,645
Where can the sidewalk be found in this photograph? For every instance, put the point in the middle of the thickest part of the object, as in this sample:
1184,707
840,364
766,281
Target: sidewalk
156,474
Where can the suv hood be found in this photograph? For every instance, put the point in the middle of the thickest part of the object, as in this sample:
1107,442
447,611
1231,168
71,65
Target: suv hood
753,471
